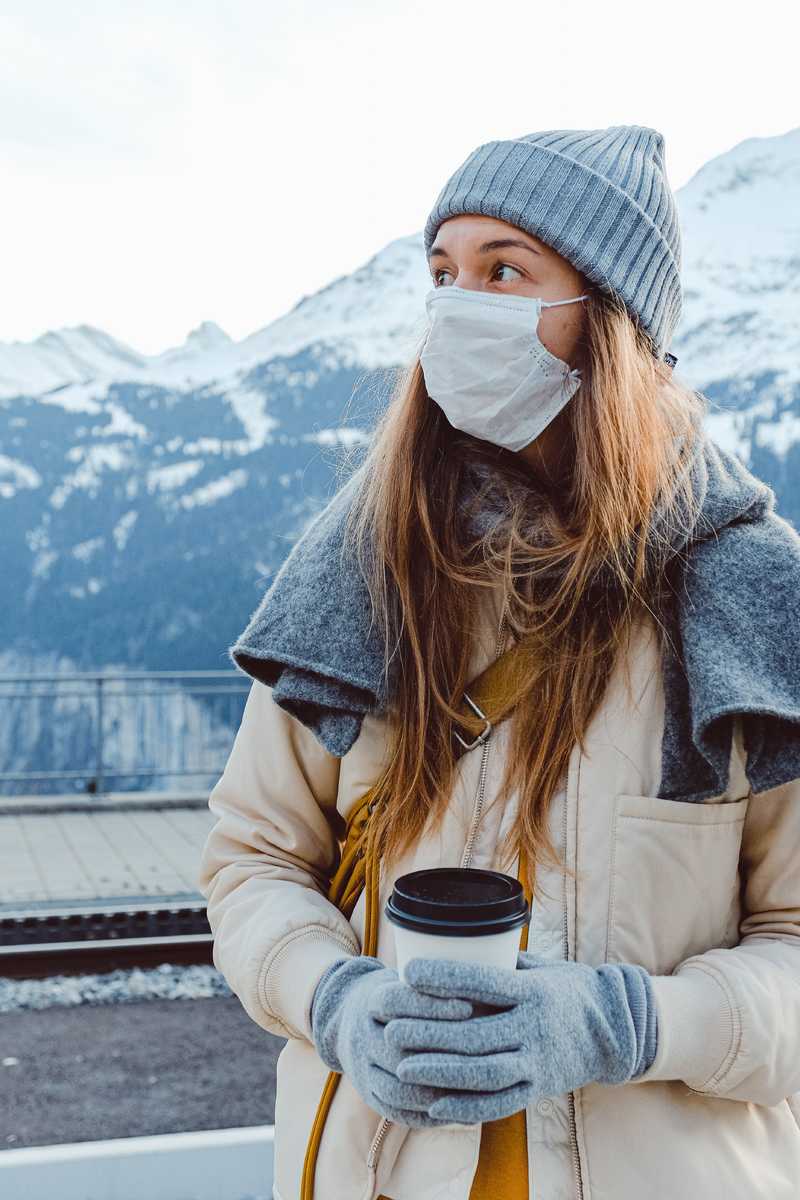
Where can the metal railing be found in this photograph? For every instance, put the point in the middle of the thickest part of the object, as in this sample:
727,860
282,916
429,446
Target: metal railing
101,727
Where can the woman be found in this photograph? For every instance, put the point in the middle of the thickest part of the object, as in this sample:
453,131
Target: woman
540,477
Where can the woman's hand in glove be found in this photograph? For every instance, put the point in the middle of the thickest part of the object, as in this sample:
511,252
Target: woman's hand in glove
352,1004
559,1025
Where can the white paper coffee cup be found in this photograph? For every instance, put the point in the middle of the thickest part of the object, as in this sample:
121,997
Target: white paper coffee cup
457,913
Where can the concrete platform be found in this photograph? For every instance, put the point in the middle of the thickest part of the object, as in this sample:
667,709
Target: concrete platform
221,1164
105,802
120,850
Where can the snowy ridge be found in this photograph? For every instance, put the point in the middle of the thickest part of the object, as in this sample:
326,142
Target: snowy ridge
63,356
740,218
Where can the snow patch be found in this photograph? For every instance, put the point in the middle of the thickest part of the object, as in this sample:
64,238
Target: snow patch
218,489
215,445
21,476
251,408
92,587
729,431
166,479
83,551
42,563
94,460
124,527
340,436
780,435
76,397
121,424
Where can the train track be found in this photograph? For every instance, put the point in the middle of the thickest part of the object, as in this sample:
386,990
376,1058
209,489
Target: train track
74,940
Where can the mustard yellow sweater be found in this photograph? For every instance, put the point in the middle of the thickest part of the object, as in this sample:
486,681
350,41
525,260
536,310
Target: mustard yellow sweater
502,1162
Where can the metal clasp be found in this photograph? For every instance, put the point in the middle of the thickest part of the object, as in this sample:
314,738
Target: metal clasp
483,735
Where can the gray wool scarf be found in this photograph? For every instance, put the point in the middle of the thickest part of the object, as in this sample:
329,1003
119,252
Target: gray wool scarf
734,622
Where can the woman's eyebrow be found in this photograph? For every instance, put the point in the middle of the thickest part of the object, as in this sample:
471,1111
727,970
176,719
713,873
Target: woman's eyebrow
487,247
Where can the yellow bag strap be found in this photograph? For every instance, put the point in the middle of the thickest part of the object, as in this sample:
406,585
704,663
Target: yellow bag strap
369,946
489,697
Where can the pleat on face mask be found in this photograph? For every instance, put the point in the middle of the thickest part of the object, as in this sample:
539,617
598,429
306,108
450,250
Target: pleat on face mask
487,369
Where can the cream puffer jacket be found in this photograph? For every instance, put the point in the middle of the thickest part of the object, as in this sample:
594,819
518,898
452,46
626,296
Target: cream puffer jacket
706,896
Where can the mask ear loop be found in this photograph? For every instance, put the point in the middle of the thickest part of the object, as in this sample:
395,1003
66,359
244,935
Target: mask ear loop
669,359
555,303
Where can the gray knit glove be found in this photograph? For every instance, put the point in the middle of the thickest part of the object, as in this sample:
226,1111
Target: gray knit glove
352,1004
559,1025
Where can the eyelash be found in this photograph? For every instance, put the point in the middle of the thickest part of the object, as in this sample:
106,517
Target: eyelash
497,265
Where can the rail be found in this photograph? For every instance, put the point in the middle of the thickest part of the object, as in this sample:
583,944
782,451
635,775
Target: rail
69,939
102,728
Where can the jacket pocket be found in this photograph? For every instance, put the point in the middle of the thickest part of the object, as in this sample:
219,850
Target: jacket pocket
674,879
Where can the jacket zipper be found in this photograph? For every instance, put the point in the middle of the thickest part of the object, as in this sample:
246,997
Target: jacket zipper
466,858
477,811
374,1155
573,1134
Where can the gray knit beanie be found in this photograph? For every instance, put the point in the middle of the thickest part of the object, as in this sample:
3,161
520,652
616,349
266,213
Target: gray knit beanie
599,197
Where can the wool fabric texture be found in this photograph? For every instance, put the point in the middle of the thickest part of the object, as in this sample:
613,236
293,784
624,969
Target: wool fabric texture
599,197
555,1027
354,1002
734,623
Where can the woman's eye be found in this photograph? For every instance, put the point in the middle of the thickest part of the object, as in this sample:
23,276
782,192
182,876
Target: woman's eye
508,267
437,276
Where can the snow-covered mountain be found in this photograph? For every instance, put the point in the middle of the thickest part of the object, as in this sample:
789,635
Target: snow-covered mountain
148,500
368,319
739,337
74,355
203,341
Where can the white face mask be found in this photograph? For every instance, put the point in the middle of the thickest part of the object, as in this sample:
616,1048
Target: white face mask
486,368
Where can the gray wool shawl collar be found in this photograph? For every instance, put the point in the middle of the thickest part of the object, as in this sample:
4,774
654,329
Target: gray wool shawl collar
734,621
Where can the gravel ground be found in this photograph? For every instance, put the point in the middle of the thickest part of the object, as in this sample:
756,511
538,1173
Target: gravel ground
165,982
88,1057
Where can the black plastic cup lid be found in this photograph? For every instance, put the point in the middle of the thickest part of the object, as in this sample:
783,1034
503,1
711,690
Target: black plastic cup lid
458,902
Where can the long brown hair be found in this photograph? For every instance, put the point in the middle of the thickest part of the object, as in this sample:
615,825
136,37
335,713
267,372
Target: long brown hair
574,574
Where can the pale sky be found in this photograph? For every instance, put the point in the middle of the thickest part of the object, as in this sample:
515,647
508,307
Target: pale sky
164,163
